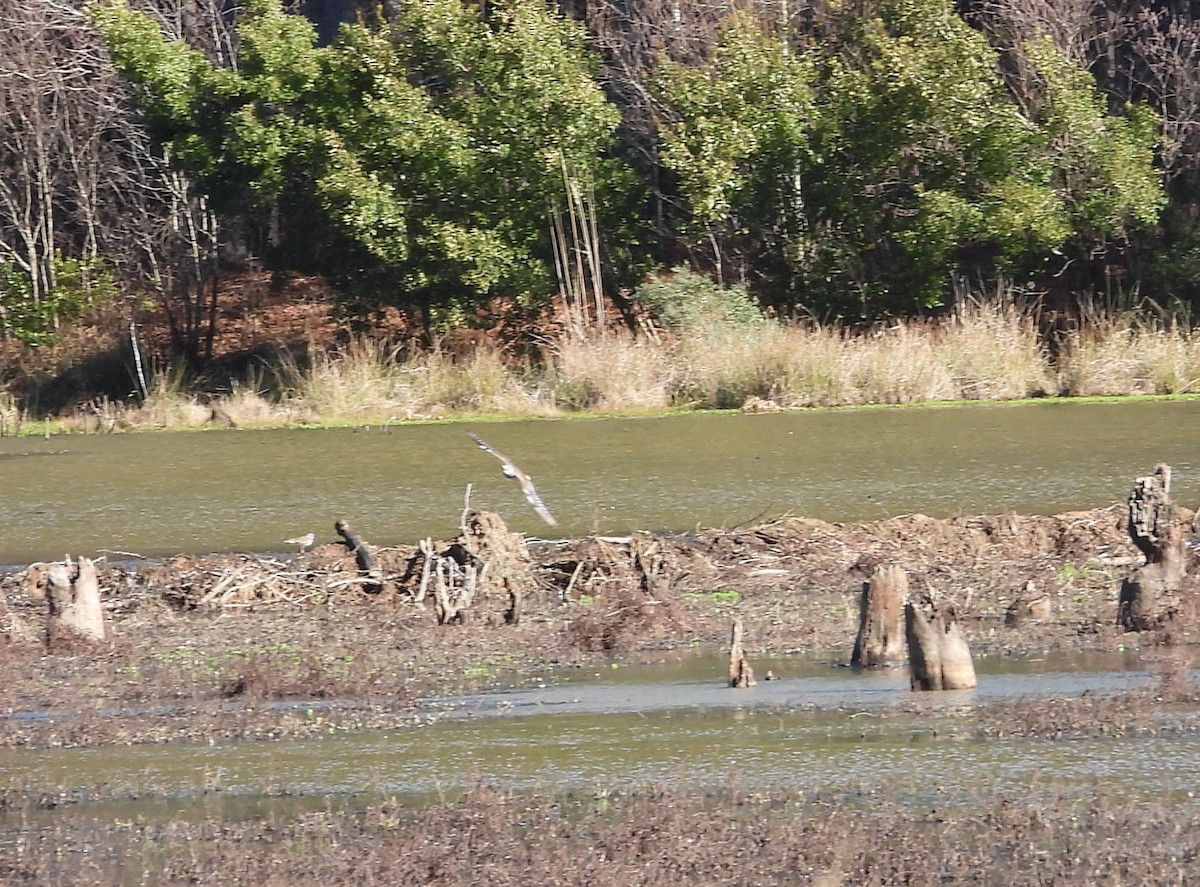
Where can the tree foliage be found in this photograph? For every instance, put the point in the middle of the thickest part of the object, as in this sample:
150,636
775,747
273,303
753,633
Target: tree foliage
430,149
857,174
848,160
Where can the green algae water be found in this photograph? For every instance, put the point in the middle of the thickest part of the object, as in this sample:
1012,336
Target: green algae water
196,492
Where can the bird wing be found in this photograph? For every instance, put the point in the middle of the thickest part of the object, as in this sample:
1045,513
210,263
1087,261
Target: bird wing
532,497
488,448
527,487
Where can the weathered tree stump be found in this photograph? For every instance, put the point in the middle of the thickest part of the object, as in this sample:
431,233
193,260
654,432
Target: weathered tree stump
938,655
37,580
363,556
75,611
880,639
1029,606
741,675
500,556
1147,596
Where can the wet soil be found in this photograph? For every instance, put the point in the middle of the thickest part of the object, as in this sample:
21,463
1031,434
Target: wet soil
235,646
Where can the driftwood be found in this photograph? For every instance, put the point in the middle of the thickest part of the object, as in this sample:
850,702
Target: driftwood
1156,528
1029,606
741,675
363,556
938,655
880,639
454,589
486,560
75,611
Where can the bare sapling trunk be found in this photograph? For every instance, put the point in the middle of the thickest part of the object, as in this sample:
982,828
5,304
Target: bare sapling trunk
938,655
741,675
363,556
1148,594
880,639
75,610
454,588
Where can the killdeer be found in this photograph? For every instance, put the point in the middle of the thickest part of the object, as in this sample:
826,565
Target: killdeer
305,542
526,482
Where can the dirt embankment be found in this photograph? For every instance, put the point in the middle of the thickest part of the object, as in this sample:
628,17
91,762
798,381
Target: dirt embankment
203,641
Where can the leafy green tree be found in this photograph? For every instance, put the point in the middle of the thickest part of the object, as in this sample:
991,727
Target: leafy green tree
78,285
417,162
740,138
859,174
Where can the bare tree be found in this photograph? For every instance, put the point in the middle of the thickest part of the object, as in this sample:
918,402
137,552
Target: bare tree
52,124
80,178
1163,69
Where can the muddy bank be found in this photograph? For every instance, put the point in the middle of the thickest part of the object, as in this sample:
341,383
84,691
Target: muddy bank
218,647
661,835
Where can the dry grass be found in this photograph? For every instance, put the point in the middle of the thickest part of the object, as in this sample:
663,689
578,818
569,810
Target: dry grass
1115,356
378,381
609,373
985,350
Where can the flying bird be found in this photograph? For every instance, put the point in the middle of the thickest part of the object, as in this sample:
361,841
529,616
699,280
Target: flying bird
304,541
511,470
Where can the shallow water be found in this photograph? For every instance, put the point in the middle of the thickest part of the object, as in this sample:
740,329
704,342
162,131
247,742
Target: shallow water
161,494
813,728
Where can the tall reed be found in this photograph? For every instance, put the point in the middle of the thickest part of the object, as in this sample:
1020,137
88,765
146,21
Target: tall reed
1130,355
374,380
985,349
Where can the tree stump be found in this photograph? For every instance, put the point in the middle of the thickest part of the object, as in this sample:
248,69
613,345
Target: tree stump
880,639
1147,594
363,556
741,675
75,610
938,655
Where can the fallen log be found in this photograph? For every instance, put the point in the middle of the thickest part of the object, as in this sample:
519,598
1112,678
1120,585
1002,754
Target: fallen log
363,556
880,640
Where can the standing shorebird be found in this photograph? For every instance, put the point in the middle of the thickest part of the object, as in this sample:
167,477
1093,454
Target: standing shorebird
511,470
305,542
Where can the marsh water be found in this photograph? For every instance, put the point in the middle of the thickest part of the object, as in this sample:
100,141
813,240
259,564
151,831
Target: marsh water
197,492
818,726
